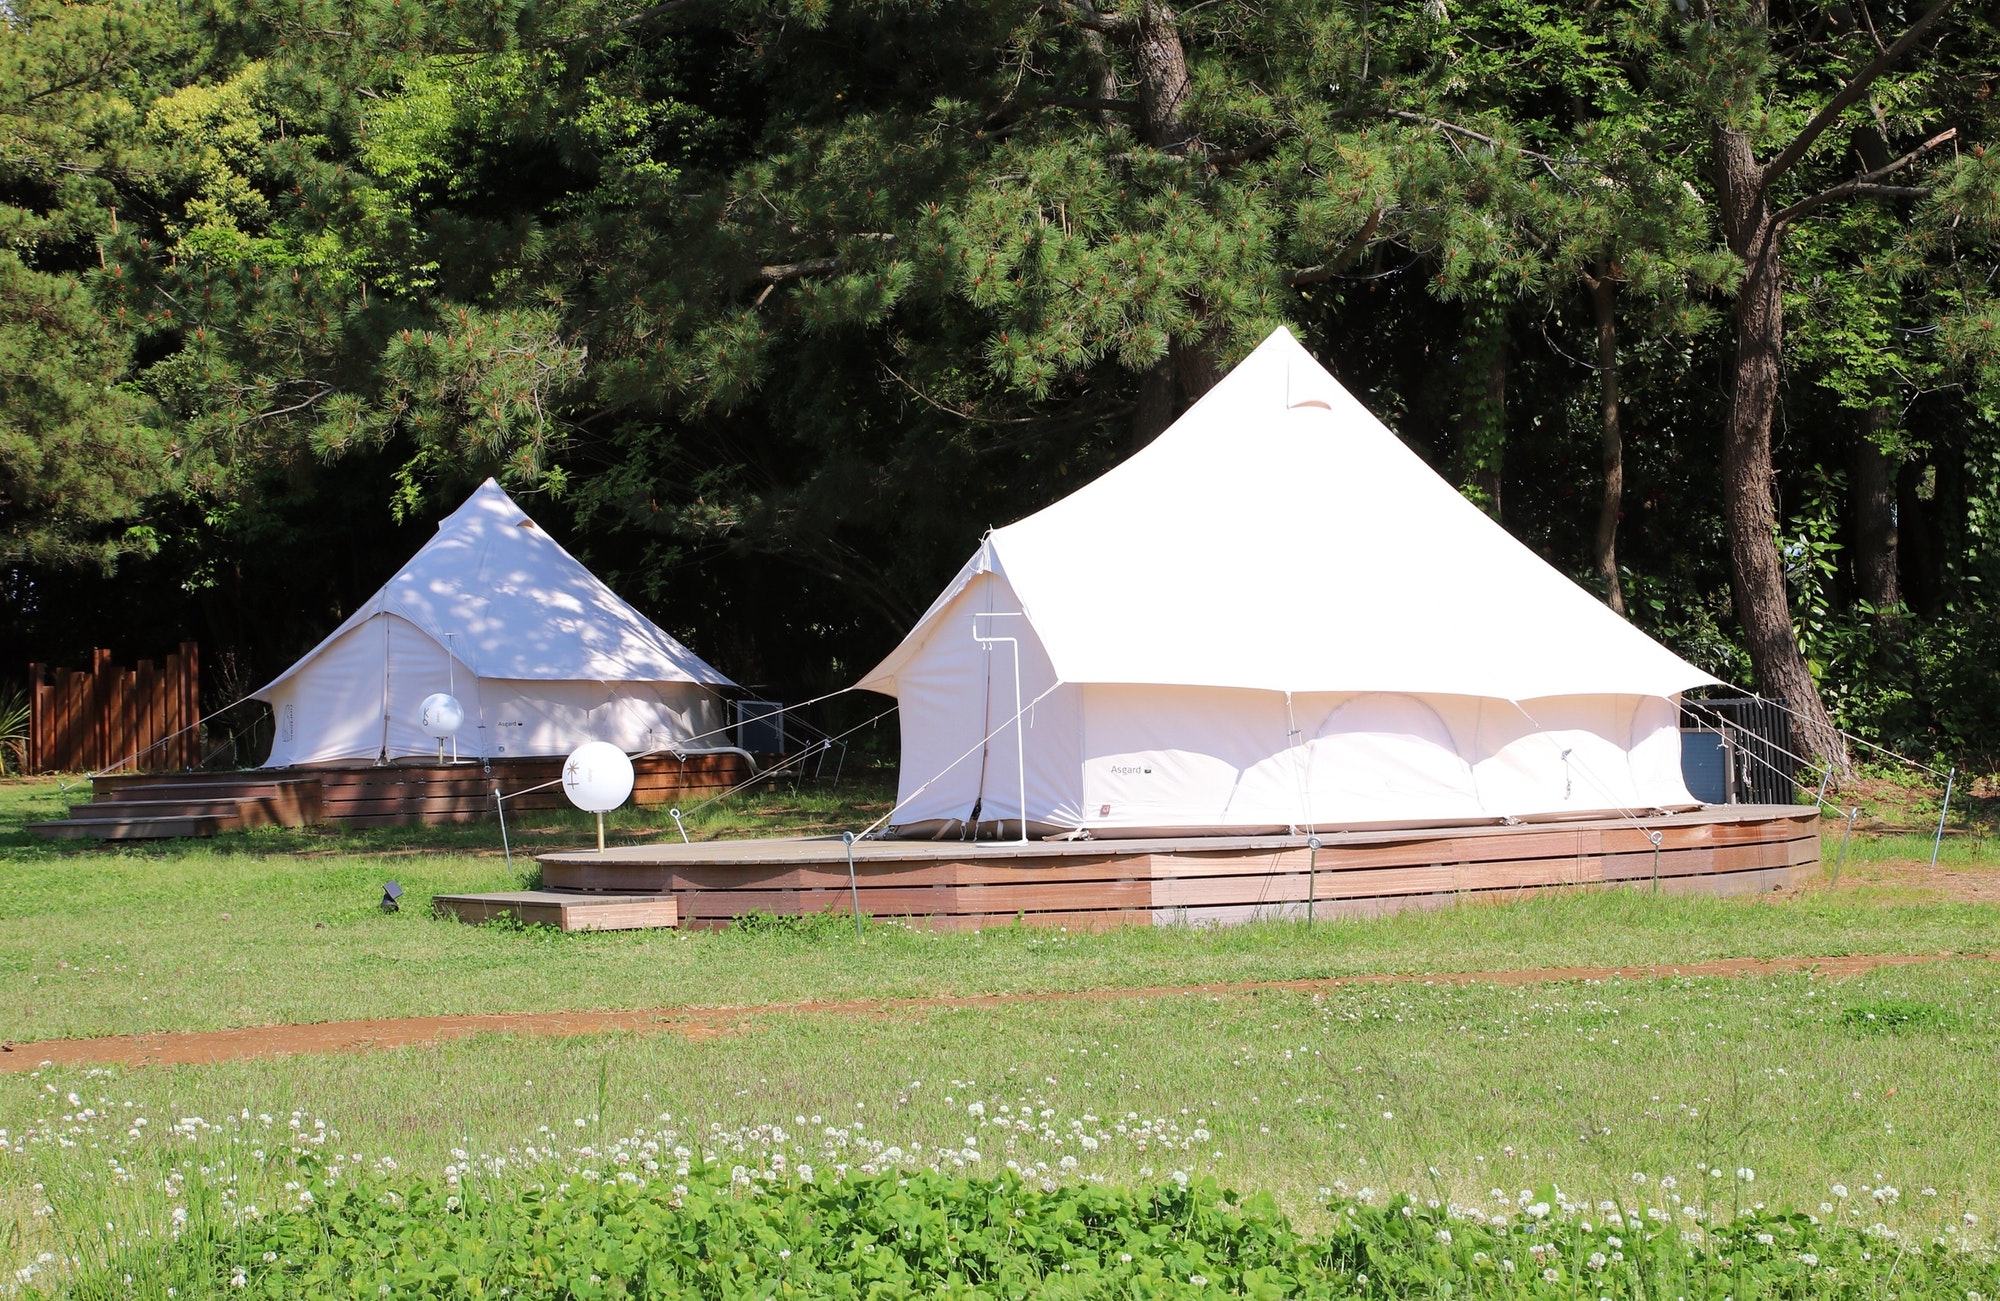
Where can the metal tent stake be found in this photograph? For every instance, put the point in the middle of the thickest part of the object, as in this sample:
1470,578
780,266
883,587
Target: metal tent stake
1312,876
1937,841
501,809
853,886
1656,836
1846,833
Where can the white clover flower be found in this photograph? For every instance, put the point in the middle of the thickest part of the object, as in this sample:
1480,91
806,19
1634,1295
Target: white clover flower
1766,1239
1807,1259
1840,1192
1444,1236
1746,1174
1550,1275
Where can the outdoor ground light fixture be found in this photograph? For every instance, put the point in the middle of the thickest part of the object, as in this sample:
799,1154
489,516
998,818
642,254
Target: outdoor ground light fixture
597,777
392,896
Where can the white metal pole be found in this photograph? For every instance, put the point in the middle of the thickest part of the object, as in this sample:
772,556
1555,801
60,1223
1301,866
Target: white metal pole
1937,841
853,886
1020,724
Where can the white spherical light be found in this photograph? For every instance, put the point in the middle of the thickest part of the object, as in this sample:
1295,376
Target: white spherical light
440,716
597,777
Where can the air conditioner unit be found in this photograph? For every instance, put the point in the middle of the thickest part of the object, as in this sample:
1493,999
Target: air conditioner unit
760,726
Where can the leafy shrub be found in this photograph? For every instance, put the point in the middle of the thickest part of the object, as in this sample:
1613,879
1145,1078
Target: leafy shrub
810,926
14,720
713,1231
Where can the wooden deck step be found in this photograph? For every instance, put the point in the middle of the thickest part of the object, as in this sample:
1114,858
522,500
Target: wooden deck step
565,910
135,828
164,806
246,811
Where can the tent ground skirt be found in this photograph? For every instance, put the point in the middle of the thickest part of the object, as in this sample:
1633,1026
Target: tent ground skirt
968,885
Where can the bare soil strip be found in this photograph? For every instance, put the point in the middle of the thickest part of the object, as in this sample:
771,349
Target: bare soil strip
208,1046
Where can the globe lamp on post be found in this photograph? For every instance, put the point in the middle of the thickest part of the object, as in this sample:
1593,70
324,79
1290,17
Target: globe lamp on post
597,777
440,717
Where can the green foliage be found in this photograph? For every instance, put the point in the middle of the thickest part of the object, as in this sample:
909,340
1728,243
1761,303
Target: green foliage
797,299
710,1230
14,721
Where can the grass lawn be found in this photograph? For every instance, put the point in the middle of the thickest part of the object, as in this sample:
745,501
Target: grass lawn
1662,1090
283,926
1878,1084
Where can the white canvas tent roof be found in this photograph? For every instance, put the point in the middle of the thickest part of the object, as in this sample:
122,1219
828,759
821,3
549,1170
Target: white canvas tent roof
1279,537
507,601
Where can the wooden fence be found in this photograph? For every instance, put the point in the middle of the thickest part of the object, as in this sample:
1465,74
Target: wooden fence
111,718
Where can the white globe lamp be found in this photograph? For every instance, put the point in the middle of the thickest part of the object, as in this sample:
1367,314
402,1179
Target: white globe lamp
597,777
440,717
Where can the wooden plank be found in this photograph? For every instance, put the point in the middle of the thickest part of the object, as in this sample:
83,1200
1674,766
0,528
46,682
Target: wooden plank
549,908
951,885
37,717
191,704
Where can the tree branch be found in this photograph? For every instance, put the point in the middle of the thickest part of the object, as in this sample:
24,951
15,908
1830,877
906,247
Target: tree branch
1345,259
1255,149
1439,124
784,272
666,9
1865,184
1849,93
1088,17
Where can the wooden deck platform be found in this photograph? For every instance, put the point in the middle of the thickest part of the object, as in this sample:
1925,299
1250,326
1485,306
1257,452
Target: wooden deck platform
565,911
152,806
1203,879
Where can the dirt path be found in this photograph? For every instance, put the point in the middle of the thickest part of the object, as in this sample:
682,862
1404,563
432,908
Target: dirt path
201,1047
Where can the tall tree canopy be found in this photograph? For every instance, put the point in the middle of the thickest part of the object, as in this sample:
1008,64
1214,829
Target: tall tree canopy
774,306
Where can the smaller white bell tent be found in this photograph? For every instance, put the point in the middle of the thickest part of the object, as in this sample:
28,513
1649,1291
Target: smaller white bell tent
542,655
1276,616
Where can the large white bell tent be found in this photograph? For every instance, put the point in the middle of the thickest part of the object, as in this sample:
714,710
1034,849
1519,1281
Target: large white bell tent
542,655
1275,617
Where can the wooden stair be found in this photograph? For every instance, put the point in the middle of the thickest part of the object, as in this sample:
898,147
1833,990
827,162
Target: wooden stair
170,805
566,910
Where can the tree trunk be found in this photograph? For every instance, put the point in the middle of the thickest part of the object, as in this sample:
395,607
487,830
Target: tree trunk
1156,407
1922,577
1486,475
1604,552
1163,76
1161,61
1762,605
1103,76
1482,418
1875,519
